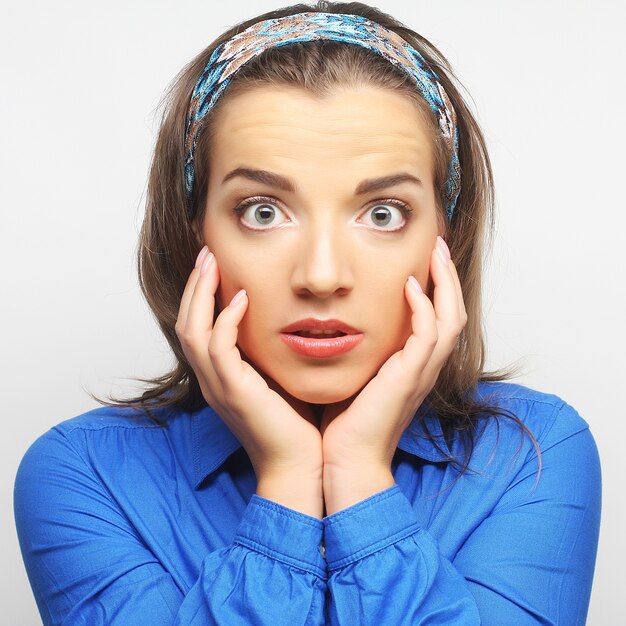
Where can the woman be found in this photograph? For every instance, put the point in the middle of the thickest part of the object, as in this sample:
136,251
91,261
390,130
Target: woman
328,448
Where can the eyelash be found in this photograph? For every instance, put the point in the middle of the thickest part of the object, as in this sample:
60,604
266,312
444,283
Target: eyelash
407,211
242,206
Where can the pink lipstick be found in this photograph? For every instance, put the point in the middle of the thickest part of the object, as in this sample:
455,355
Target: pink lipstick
321,338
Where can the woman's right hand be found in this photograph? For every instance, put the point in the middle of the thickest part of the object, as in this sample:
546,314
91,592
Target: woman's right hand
285,448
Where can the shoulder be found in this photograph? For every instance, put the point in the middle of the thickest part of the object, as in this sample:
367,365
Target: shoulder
114,417
546,415
100,433
564,465
559,433
79,462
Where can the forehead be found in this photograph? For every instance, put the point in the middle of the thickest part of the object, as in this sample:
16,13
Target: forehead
286,126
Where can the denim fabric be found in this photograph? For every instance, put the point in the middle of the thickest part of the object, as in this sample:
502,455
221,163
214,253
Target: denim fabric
124,522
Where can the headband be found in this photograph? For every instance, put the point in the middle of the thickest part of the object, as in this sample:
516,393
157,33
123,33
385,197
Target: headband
230,55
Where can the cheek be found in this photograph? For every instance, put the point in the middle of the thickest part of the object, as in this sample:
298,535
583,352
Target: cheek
230,282
257,331
418,263
236,268
264,283
394,269
387,297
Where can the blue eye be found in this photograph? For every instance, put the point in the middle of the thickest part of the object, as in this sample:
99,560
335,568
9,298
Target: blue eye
260,213
387,215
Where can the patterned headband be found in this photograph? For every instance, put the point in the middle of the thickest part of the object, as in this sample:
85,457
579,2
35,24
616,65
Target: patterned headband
229,56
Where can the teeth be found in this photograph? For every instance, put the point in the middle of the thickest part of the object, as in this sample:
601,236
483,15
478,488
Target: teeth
320,333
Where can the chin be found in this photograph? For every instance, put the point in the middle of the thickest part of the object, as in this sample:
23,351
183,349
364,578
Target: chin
326,396
322,392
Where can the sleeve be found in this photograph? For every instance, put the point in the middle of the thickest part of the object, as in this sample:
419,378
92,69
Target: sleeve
531,561
88,567
385,570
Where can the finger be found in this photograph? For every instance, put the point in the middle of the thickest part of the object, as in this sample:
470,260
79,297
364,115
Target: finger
424,333
447,310
183,308
223,350
404,370
457,283
445,294
202,304
194,342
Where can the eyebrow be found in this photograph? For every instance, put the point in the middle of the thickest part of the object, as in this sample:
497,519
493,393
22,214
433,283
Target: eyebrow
276,180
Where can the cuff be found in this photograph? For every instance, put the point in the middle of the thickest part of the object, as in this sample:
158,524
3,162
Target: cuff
283,534
368,526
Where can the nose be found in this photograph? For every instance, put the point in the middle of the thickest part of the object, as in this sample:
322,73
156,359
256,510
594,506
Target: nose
323,267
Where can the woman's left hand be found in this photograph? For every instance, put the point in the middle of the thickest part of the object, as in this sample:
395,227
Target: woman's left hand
360,435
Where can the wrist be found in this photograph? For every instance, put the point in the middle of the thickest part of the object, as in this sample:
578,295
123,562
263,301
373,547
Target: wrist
302,494
344,487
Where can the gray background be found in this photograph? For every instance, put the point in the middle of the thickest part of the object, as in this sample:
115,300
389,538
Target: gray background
81,81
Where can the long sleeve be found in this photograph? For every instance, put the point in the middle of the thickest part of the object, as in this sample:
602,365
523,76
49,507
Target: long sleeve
88,566
529,561
384,569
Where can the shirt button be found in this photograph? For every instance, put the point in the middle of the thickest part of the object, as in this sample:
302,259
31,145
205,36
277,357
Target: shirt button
323,550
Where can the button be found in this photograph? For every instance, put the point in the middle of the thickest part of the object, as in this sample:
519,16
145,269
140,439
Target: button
323,550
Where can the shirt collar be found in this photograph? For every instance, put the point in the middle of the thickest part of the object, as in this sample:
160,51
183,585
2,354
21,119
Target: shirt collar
213,442
415,439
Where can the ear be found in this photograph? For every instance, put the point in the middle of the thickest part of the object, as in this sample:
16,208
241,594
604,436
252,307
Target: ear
442,225
197,231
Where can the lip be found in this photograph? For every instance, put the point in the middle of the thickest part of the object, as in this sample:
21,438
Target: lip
314,324
321,347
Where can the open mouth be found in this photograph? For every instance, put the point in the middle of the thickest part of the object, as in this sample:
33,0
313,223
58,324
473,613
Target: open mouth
319,334
321,338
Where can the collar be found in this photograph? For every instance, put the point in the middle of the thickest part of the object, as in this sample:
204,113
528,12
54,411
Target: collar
213,442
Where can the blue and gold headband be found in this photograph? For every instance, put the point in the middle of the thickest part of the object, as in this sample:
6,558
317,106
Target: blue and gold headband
229,56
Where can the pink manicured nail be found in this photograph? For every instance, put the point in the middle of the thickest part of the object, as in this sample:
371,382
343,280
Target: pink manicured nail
237,297
415,284
443,249
206,263
201,255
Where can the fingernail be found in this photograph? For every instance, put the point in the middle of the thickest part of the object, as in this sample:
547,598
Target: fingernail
415,284
237,297
206,263
443,250
201,254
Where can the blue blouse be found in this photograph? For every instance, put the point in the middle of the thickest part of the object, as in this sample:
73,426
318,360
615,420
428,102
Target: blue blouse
124,522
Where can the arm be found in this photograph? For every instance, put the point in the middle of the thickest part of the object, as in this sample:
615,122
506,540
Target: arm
531,561
88,566
383,568
542,542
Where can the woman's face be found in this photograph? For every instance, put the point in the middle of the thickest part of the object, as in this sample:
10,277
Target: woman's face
329,238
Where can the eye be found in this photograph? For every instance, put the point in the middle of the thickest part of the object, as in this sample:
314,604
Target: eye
260,213
387,215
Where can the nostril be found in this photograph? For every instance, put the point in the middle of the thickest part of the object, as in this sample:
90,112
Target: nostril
322,267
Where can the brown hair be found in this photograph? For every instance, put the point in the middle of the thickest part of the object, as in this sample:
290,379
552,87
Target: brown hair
168,245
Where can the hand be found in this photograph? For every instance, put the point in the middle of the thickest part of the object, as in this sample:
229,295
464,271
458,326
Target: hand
283,446
360,435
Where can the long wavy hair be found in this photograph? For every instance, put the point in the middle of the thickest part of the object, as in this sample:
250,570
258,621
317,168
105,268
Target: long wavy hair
168,246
